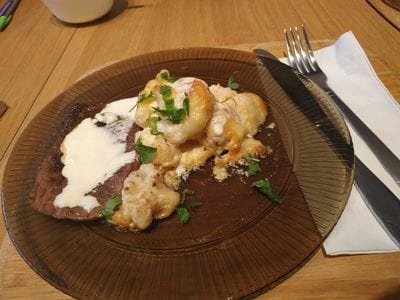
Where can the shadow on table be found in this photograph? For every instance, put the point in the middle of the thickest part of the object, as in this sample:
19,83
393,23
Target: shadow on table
392,295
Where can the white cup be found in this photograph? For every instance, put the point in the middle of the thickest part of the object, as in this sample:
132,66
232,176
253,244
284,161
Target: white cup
78,11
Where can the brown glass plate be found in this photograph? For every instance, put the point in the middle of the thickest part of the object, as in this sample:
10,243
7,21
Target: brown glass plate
238,243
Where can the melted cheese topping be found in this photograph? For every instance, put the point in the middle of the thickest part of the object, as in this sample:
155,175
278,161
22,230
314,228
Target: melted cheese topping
92,154
144,197
221,123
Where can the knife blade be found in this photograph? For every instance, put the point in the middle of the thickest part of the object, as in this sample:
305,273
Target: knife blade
384,205
303,98
388,159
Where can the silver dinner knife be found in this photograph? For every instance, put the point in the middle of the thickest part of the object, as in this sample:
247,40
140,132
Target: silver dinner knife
384,205
388,159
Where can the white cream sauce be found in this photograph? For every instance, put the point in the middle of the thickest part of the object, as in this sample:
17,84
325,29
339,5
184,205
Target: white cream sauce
218,123
182,87
92,154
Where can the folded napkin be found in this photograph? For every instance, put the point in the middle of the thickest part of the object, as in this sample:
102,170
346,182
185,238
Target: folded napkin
354,80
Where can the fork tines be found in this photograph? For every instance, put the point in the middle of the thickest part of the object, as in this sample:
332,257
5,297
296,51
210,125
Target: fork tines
299,51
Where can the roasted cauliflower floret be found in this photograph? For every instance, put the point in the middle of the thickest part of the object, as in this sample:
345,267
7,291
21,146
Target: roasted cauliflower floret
187,123
249,107
144,198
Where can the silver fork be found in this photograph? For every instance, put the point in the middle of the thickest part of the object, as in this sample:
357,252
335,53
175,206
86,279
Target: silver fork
381,201
301,57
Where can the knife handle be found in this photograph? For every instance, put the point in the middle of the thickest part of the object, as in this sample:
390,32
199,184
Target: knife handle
387,158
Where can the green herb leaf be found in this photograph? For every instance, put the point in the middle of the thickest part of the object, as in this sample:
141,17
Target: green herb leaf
254,166
232,82
195,204
183,209
166,91
169,104
266,188
110,206
173,114
188,192
110,117
153,126
165,75
146,153
142,98
186,104
183,213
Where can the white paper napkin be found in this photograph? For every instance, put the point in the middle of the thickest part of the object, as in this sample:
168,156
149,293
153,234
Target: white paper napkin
353,79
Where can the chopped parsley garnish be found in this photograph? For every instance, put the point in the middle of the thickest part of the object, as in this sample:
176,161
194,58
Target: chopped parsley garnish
172,113
110,206
100,124
169,104
183,213
254,166
195,204
146,153
153,126
166,91
232,82
264,186
183,208
186,192
165,75
142,98
186,105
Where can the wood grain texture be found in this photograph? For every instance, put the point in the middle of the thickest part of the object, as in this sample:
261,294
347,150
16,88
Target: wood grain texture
3,108
30,49
42,56
388,10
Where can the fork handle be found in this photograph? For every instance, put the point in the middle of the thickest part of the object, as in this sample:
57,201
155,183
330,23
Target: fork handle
388,159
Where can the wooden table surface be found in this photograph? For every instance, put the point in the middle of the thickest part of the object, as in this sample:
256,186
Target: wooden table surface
41,56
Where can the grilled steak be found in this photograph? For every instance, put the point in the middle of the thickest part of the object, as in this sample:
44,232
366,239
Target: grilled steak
50,182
